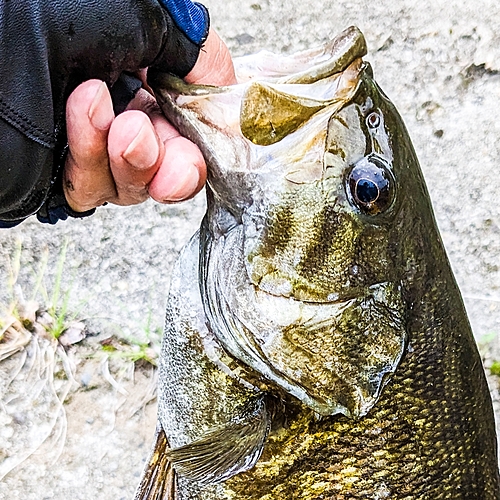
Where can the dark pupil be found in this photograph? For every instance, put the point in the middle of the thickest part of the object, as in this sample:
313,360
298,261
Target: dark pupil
370,185
366,191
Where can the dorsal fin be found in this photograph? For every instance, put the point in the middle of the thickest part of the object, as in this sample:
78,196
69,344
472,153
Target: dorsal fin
158,479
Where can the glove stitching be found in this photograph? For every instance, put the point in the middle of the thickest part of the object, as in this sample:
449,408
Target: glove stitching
25,125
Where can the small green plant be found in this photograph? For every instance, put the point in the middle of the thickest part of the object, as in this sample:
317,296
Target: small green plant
42,376
141,348
129,350
57,303
495,368
14,265
47,310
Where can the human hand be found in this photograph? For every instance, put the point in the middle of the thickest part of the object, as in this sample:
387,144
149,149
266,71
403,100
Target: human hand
137,154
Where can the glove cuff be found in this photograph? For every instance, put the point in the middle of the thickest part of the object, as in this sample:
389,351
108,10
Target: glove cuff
189,17
188,27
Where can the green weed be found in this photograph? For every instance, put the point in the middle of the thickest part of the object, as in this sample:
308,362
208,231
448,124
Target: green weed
495,368
129,350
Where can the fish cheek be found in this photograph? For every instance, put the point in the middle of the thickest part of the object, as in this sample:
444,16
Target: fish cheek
344,354
304,248
373,259
326,263
346,141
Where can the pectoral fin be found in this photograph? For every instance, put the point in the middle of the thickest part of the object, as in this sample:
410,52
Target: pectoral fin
158,480
222,453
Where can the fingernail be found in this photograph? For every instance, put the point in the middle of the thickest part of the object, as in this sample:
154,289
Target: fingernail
185,185
101,110
144,150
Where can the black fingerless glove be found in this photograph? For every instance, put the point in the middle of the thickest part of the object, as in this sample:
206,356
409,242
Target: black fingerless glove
47,49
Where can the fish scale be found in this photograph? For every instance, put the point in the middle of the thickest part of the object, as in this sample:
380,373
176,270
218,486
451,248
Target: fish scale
414,435
316,343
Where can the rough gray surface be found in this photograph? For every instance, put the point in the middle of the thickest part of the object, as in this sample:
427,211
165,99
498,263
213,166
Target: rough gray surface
439,62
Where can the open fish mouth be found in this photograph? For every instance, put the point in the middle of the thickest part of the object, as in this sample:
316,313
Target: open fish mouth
333,356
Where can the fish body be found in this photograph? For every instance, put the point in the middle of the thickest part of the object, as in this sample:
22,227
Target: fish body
316,343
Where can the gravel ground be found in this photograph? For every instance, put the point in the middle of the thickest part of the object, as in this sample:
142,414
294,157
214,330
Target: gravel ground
439,61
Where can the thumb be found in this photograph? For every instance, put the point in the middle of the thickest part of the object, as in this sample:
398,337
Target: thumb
214,65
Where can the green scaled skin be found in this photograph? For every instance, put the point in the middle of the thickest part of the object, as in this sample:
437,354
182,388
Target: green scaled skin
316,343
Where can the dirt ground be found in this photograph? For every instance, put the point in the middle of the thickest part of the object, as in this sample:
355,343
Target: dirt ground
439,61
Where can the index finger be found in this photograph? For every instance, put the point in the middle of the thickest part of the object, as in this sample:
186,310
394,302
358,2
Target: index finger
87,178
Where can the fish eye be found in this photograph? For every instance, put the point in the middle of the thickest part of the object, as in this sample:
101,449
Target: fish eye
373,120
370,185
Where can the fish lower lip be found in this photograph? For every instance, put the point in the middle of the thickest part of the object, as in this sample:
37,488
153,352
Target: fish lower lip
334,356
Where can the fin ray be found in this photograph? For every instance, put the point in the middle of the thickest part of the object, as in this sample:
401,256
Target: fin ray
222,453
158,478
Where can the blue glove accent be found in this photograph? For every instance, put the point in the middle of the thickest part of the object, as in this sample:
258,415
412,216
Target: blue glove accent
191,18
53,215
56,208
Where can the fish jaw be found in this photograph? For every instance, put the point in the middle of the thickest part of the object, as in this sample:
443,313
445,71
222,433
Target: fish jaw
217,118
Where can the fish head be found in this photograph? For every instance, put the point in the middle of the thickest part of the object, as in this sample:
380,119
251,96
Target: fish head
303,251
322,229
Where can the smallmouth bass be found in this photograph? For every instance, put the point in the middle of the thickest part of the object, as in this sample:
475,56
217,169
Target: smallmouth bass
316,343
